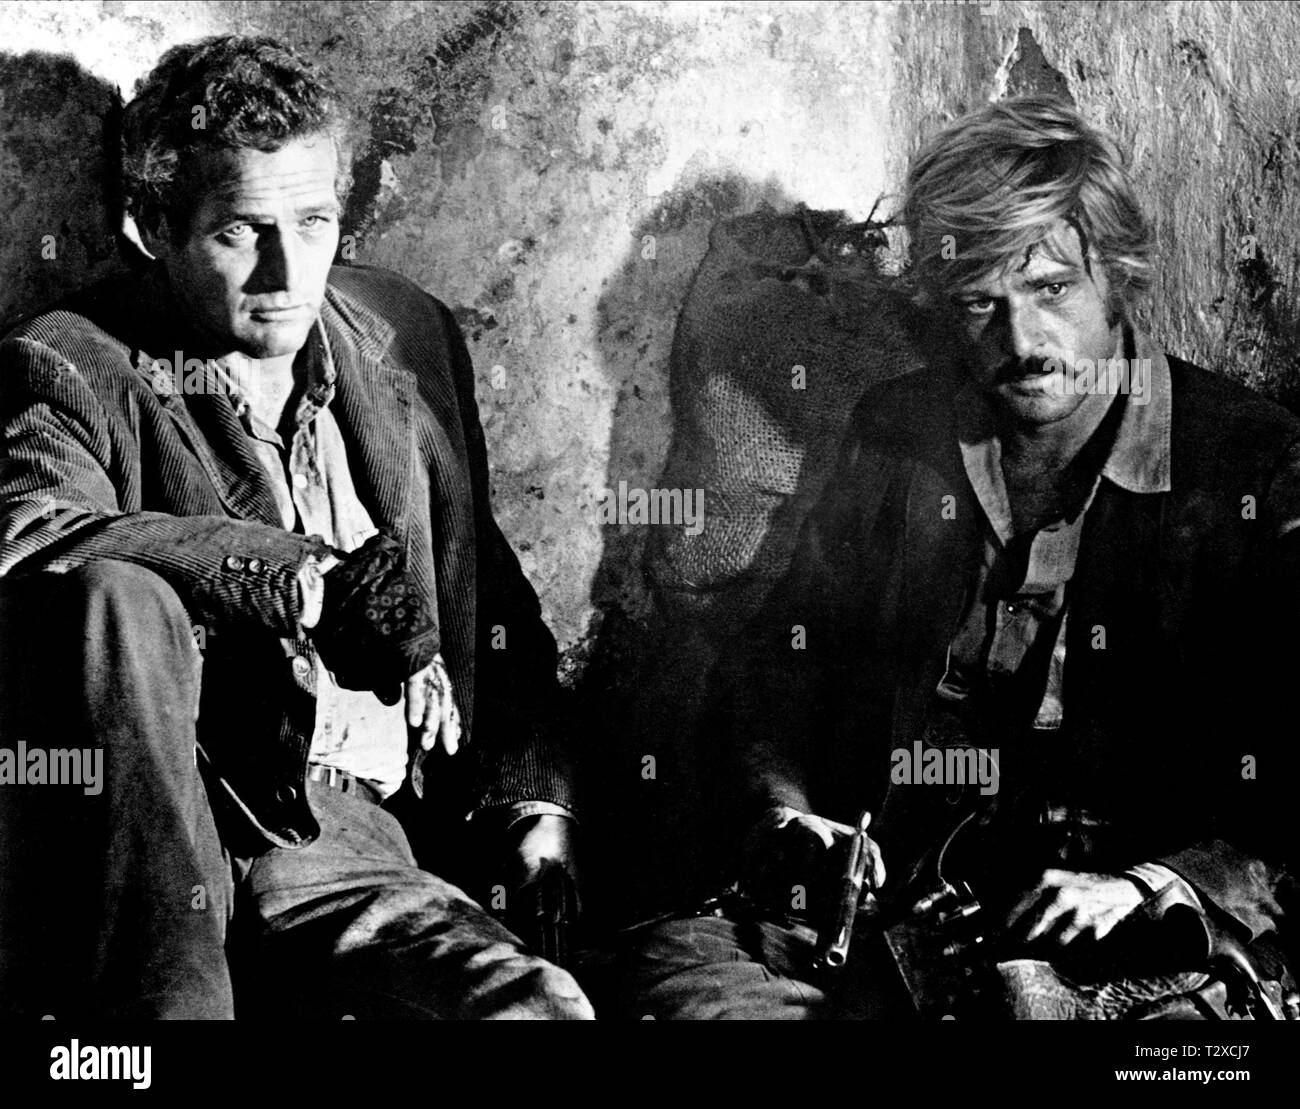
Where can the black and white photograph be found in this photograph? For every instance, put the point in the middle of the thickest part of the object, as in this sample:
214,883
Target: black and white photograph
637,511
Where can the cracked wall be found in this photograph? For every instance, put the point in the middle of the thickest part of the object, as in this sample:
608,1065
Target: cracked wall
551,171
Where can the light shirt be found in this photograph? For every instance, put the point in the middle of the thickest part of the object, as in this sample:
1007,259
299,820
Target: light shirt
1010,641
315,494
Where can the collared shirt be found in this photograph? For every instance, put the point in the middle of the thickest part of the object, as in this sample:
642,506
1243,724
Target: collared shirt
1017,607
314,491
1010,640
315,494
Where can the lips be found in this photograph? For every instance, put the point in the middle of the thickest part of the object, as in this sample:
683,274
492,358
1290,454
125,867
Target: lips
292,310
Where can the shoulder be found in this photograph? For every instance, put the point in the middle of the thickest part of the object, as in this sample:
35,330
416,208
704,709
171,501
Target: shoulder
910,414
1220,424
394,298
88,331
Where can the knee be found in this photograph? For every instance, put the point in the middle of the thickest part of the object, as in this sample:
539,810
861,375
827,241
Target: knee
556,995
120,599
104,618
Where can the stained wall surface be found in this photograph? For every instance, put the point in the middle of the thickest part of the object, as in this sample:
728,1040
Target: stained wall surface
551,171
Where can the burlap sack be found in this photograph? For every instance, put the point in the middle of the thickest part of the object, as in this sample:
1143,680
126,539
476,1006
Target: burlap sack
789,319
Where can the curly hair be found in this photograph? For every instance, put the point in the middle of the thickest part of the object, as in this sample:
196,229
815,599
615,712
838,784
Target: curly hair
227,91
987,188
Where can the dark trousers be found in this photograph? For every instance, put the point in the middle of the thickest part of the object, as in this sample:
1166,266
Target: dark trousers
739,968
124,902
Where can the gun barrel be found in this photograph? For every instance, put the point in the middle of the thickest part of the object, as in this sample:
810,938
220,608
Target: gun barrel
834,952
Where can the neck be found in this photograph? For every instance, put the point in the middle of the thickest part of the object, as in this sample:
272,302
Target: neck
268,383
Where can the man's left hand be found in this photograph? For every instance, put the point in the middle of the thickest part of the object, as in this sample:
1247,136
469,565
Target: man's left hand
431,712
538,842
1066,905
543,903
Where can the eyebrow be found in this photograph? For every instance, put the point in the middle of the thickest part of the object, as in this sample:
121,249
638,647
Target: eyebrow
1058,273
253,215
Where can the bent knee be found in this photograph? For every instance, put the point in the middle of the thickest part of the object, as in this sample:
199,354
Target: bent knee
115,606
544,992
127,595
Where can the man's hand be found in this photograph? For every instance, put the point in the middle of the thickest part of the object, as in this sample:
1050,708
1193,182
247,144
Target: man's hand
788,849
1067,905
543,903
537,842
375,630
431,713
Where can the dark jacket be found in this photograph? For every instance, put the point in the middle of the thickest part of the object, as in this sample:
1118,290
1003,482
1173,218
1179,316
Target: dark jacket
1198,593
99,463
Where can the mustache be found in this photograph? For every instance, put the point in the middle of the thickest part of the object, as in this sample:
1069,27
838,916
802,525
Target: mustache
1017,368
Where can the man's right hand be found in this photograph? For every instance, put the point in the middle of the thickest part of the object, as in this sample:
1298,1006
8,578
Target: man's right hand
793,860
375,630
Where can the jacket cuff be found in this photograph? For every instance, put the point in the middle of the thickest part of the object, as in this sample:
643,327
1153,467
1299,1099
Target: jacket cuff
1156,878
509,815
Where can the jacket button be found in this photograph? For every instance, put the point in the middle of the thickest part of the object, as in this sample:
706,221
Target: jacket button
301,667
255,565
286,794
234,562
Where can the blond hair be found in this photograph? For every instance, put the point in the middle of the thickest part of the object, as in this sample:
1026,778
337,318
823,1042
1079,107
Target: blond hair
985,190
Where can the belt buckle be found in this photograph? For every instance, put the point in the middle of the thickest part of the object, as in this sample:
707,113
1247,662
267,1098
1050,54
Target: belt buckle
329,776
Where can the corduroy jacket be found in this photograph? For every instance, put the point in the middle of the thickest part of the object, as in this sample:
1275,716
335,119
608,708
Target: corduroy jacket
1181,651
101,458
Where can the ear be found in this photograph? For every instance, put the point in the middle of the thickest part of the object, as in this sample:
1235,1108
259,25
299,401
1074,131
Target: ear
155,234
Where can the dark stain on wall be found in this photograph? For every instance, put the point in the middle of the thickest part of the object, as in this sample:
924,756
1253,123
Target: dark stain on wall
56,179
431,97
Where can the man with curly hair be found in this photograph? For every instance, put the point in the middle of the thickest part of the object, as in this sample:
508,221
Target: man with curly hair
243,449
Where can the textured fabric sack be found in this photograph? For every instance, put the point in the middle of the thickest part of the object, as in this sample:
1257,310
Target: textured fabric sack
756,433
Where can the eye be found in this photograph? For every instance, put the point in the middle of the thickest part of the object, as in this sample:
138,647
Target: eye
316,222
1055,289
237,233
978,306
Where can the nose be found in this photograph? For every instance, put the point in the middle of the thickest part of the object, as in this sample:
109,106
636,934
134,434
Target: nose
1024,332
279,262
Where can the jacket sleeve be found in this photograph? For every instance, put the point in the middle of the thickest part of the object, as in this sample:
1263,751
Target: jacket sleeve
1247,869
60,506
519,738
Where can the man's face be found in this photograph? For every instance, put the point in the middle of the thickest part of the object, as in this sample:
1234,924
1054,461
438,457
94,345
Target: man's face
249,272
1026,326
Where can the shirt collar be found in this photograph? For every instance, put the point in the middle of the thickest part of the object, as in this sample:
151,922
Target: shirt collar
318,387
1139,459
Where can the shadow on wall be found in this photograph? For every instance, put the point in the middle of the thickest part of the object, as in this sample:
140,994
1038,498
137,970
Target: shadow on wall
57,136
788,319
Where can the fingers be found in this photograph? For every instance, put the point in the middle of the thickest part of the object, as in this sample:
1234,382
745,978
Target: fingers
431,708
449,728
442,719
836,827
877,864
1027,902
1064,907
416,700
